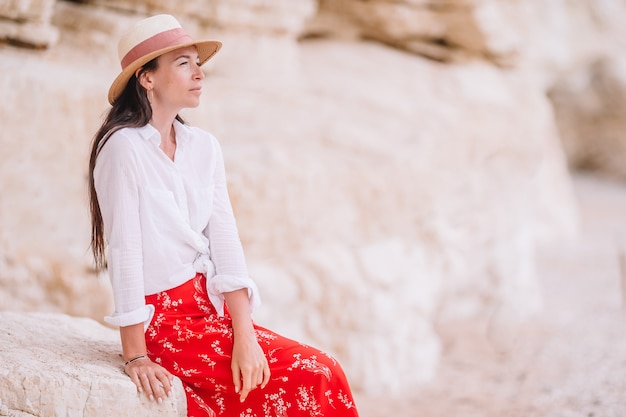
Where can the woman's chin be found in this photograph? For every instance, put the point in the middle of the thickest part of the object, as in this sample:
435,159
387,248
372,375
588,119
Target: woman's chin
193,103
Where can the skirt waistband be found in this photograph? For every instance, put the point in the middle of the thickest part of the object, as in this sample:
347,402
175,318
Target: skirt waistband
190,298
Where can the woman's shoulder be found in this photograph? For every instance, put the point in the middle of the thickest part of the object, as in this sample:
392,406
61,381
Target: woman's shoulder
124,138
133,132
204,138
121,145
200,133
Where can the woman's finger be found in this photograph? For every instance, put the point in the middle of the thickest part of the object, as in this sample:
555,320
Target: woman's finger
151,378
266,374
165,380
246,382
260,373
135,378
145,382
236,377
157,388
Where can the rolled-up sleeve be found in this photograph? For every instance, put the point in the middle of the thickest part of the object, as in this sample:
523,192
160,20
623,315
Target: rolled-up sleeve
116,183
225,247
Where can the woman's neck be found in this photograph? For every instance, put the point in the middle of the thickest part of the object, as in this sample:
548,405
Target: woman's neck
165,127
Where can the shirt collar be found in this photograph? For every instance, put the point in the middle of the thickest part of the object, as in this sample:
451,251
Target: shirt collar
149,133
183,133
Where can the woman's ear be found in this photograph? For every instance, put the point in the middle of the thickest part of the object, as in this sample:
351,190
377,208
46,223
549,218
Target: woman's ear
144,78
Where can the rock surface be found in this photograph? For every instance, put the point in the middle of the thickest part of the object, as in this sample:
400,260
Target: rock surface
28,23
574,49
590,106
568,360
449,31
277,17
57,365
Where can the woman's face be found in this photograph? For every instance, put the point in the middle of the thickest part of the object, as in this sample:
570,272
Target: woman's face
176,83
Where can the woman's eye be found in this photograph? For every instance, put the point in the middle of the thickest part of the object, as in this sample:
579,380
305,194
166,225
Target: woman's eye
184,63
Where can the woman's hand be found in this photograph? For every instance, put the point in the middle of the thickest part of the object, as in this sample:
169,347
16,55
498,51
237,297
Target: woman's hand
249,365
151,378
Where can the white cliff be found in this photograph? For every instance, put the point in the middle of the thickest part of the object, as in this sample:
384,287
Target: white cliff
377,191
57,365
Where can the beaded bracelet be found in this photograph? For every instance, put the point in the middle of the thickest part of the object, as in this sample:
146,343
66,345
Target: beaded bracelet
136,358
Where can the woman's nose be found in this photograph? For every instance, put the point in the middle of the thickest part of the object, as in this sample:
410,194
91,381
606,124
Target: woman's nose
199,75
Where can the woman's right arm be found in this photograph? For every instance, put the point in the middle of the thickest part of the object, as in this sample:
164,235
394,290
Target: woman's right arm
116,183
149,377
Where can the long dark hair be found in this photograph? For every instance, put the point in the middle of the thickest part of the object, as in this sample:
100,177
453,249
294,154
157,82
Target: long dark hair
131,109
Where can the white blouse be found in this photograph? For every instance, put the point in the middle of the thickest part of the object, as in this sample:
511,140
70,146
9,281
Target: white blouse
167,220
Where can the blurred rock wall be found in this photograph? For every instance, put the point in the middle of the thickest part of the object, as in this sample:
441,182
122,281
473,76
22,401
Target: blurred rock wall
575,49
444,30
274,17
590,104
377,191
27,23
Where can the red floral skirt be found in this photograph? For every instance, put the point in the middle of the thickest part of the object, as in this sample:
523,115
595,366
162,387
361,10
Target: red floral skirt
188,338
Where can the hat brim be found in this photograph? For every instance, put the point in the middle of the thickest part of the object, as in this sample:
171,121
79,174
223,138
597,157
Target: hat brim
206,50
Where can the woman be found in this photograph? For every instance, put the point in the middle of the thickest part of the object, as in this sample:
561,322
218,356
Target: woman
183,298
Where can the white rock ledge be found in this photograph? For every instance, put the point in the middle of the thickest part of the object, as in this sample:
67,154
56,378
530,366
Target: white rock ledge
57,365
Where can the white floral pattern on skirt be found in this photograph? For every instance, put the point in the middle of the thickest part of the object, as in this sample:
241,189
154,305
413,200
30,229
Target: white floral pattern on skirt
187,337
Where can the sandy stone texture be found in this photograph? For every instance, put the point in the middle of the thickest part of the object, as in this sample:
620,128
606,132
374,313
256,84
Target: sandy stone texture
568,360
58,365
27,23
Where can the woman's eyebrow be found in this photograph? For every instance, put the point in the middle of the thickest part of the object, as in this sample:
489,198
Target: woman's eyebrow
182,56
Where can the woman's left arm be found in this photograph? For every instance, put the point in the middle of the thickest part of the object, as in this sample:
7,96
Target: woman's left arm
226,250
249,364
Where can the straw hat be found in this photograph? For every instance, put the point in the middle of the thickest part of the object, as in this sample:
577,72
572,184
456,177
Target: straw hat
148,39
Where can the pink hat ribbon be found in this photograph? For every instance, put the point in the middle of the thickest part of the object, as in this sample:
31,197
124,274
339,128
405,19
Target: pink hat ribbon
172,37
